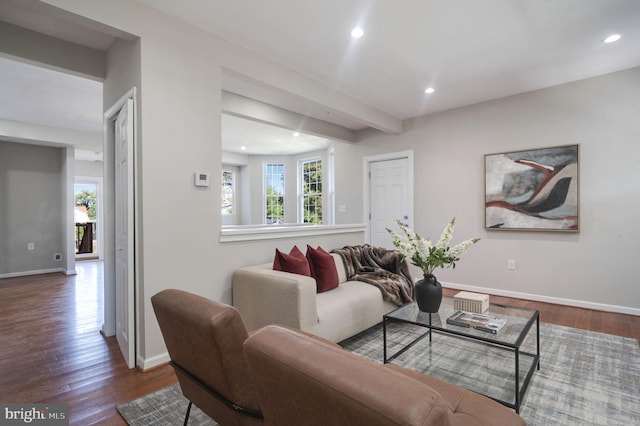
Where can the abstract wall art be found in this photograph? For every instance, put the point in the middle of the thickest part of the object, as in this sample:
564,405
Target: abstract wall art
533,190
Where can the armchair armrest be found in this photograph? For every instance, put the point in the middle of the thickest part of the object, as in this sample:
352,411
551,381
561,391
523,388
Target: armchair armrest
264,296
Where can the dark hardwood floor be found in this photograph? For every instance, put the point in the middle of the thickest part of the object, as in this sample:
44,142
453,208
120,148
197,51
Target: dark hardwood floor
51,349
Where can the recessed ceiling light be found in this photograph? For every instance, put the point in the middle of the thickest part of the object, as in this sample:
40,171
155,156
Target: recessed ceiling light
244,148
296,134
612,38
429,90
357,32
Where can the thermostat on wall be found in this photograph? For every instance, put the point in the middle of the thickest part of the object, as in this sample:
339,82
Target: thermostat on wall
201,179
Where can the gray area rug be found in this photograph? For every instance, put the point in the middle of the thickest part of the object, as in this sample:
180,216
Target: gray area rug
164,407
585,378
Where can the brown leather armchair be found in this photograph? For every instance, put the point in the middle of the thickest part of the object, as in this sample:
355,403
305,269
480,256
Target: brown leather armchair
303,381
205,342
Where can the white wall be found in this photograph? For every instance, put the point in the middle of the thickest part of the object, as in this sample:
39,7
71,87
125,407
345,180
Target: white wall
596,267
123,73
348,175
67,208
89,168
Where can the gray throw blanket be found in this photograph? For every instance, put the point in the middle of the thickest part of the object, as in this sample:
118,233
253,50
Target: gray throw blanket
383,268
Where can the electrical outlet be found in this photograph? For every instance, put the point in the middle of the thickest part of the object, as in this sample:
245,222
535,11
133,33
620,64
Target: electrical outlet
31,246
57,257
511,264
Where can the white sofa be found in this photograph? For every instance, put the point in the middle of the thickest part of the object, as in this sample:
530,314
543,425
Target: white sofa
264,296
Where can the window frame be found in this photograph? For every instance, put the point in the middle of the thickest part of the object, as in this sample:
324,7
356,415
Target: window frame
301,193
265,196
233,191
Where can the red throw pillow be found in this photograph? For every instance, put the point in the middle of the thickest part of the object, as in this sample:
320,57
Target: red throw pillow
294,262
323,269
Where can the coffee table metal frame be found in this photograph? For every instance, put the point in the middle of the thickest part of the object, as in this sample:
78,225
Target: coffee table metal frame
424,319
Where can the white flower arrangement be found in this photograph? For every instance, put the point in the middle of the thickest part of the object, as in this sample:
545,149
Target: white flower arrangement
424,254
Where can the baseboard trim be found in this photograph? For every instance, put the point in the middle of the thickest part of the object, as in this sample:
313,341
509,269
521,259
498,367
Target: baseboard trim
36,272
154,361
538,298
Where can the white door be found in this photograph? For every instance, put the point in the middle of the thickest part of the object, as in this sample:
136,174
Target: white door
125,318
389,198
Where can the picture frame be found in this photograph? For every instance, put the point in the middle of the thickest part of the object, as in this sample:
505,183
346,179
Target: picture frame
533,190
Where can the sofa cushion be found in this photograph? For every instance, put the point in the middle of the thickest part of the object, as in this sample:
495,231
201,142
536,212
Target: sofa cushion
348,309
323,269
294,262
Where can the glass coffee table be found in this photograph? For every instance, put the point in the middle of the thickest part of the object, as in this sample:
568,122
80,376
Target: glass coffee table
455,355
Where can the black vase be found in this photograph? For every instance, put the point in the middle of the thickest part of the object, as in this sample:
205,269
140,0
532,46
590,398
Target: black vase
428,294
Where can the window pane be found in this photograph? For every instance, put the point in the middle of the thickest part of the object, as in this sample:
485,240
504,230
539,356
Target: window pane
312,191
274,193
227,192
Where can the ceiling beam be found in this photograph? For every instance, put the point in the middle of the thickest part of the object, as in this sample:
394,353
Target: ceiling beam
259,111
36,48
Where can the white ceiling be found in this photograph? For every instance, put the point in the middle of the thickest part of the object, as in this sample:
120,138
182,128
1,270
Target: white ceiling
470,51
261,139
33,94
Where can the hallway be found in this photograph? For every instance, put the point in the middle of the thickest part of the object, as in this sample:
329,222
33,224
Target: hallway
51,348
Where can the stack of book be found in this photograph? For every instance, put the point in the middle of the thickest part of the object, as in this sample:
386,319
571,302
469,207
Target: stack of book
482,322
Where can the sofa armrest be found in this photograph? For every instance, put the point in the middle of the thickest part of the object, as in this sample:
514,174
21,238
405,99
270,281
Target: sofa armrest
472,407
264,296
304,381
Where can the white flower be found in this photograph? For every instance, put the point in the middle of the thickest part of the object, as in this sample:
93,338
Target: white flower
446,236
458,249
422,253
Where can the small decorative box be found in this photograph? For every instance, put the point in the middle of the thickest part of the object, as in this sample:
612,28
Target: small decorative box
471,302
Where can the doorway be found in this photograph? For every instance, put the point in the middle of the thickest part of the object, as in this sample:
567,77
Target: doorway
388,195
120,274
87,217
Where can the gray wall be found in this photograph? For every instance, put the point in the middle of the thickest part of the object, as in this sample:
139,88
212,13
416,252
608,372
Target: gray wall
596,266
31,196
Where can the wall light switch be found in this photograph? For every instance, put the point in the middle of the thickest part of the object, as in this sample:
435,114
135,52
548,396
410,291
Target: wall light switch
201,179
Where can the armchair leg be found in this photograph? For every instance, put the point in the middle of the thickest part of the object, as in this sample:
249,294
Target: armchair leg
186,418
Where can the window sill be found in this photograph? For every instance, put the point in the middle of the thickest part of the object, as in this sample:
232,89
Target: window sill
270,232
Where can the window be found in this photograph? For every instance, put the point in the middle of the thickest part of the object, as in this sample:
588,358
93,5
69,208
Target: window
311,172
227,192
274,193
85,218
